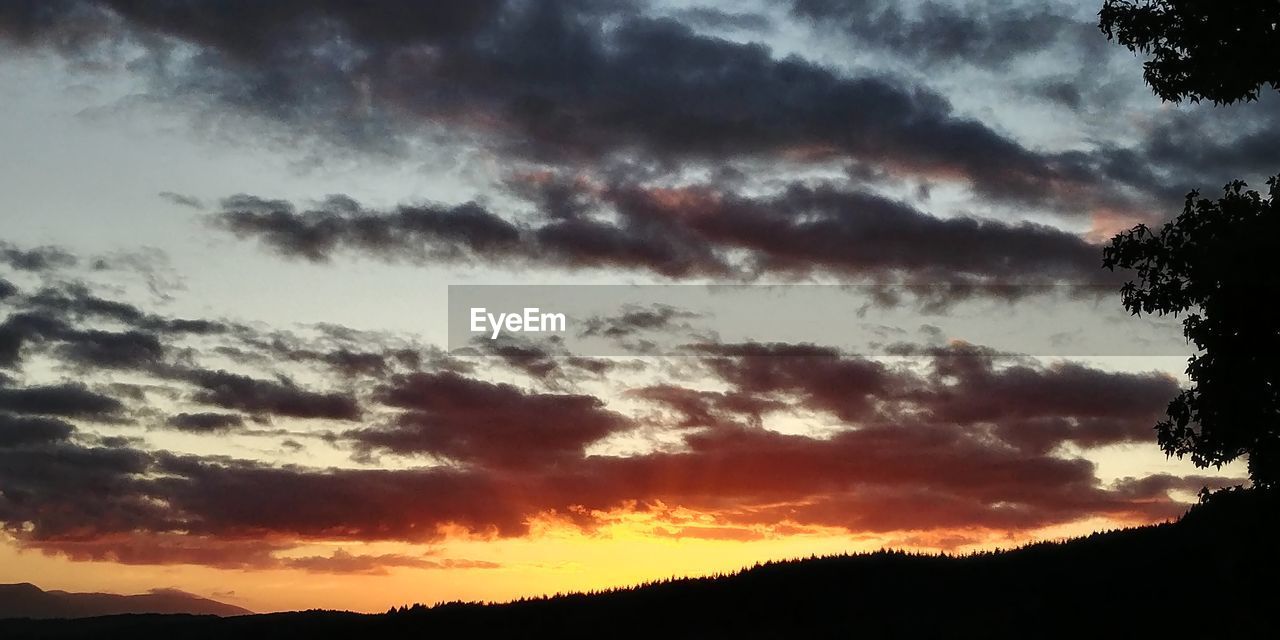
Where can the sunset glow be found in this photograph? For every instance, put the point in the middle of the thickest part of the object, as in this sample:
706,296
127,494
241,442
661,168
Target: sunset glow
229,353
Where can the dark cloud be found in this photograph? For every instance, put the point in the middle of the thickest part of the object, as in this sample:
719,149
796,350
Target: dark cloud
849,388
50,317
1201,148
991,34
430,235
13,334
68,399
692,232
883,478
63,490
1043,54
959,437
622,86
111,350
7,289
713,19
475,421
246,28
267,397
805,227
860,479
161,549
423,233
534,361
241,498
590,244
205,422
182,200
562,82
62,322
37,259
632,320
1022,403
349,357
75,301
694,408
1062,92
24,430
1040,407
928,473
554,367
21,329
147,548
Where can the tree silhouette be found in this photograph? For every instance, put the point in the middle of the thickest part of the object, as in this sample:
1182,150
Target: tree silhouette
1216,262
1218,50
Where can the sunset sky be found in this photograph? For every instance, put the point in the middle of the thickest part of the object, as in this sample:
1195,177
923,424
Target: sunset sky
228,229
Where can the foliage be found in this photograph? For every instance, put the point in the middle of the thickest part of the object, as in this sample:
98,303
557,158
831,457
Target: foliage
1218,50
1217,262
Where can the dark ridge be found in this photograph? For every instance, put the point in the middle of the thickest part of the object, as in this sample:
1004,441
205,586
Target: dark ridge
26,600
1212,574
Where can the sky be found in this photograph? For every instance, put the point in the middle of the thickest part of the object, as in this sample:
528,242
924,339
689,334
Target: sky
230,228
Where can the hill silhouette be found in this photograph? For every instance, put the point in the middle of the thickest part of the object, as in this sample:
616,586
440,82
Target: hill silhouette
1211,574
29,601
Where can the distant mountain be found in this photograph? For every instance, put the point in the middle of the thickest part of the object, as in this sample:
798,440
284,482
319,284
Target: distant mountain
1213,574
26,600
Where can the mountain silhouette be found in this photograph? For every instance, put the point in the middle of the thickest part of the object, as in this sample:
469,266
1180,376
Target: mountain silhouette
26,600
1212,574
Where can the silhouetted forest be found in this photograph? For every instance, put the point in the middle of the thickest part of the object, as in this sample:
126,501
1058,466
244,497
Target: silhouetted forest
1211,574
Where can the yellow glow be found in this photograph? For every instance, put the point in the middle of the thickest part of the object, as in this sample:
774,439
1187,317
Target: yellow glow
630,547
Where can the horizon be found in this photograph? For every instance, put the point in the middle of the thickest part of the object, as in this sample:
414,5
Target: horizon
241,247
632,586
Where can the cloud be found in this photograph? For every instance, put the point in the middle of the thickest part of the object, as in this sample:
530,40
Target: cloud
988,35
51,319
38,259
690,232
1041,407
143,548
68,399
903,477
552,367
850,388
441,234
966,442
486,74
475,421
1018,402
75,301
267,397
37,325
205,422
62,322
65,490
343,562
636,319
483,77
806,228
170,549
111,350
956,437
182,200
24,430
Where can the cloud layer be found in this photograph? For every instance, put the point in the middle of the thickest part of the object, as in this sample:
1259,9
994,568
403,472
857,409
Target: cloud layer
954,438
